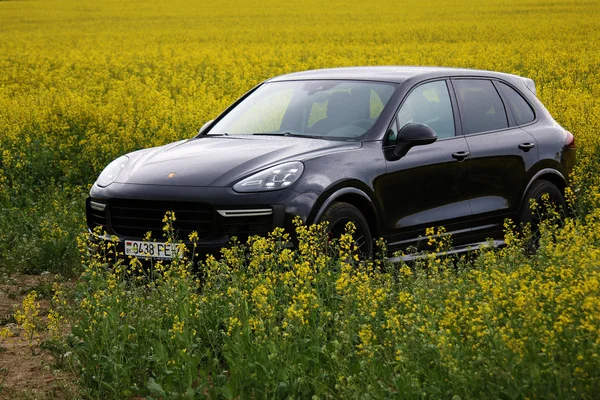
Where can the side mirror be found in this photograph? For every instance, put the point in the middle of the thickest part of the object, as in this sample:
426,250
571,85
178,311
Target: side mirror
411,135
205,126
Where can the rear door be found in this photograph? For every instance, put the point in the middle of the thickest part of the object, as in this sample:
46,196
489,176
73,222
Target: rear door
501,155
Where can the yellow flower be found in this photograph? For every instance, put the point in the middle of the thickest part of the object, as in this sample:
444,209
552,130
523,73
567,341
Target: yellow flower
28,316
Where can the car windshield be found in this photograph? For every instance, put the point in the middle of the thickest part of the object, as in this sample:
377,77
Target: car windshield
323,108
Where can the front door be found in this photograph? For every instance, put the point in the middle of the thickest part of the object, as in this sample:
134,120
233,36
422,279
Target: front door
429,185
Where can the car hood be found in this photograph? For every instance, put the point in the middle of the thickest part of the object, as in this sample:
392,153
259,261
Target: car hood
221,160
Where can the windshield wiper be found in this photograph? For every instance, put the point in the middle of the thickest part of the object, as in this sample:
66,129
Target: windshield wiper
216,134
287,134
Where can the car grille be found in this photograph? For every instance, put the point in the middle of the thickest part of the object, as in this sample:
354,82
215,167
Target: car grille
244,227
134,218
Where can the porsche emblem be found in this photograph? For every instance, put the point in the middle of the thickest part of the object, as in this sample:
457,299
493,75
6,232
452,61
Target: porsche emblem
171,175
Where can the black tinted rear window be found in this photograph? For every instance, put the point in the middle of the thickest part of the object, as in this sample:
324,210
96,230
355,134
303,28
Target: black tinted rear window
518,106
481,108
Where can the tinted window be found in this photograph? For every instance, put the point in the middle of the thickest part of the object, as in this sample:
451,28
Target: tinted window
429,104
481,108
518,106
392,134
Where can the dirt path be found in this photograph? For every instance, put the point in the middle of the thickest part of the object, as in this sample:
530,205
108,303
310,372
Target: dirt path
27,371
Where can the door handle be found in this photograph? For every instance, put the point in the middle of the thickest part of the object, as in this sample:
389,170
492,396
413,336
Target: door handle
460,155
526,146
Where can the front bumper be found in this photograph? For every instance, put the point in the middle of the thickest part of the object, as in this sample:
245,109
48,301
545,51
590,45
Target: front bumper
216,214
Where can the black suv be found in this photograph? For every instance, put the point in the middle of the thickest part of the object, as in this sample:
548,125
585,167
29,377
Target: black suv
393,149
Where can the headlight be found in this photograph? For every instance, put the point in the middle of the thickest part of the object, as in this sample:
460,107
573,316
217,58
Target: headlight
278,177
112,171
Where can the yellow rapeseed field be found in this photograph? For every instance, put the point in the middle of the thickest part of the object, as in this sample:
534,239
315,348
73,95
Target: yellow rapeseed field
82,82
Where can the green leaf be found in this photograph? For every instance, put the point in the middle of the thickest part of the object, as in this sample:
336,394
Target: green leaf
189,393
282,390
155,388
159,350
226,392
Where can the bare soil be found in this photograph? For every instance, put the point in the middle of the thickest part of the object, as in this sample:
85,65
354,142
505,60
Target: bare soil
26,370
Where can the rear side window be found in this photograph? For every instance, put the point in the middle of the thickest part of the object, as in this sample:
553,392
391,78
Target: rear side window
518,106
481,108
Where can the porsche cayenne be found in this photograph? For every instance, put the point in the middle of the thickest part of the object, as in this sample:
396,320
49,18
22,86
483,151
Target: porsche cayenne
393,149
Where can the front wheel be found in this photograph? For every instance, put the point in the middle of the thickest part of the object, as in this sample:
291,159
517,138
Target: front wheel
338,215
535,215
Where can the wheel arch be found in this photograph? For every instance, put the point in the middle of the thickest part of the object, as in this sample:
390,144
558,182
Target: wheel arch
358,199
547,174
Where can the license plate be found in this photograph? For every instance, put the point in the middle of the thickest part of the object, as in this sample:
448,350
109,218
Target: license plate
150,249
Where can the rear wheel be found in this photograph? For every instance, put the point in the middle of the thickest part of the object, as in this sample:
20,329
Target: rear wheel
534,216
338,215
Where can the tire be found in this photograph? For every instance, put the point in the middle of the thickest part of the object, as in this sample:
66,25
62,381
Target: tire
338,214
535,216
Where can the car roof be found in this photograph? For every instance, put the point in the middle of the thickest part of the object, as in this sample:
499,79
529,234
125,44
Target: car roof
395,74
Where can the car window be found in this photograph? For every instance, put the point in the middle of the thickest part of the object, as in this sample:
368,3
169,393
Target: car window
318,111
376,105
481,108
429,104
518,105
265,115
392,134
324,108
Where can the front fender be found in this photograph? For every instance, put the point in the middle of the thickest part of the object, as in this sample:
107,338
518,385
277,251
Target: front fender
338,194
